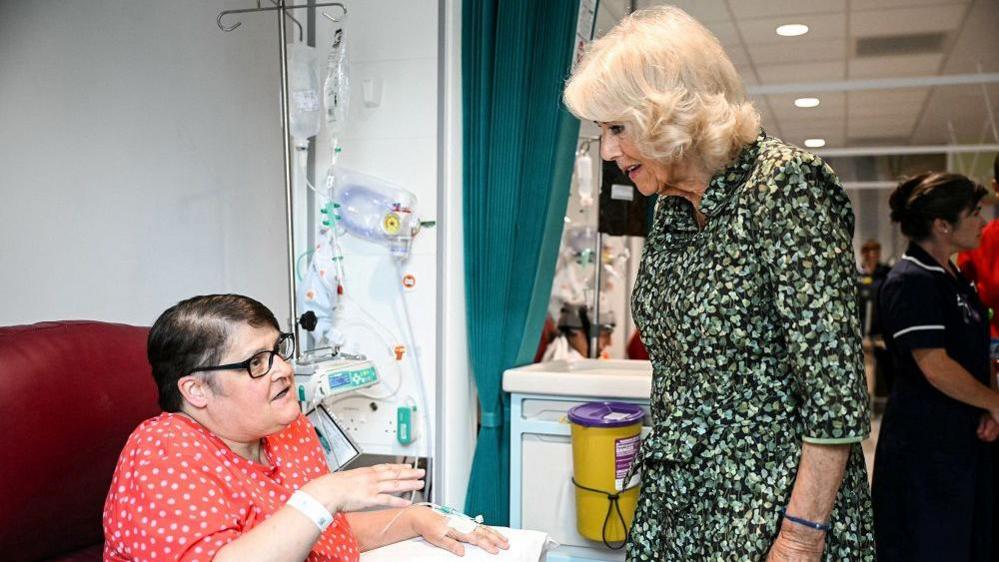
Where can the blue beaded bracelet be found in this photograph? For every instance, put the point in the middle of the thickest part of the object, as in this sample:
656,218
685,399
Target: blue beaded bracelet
805,522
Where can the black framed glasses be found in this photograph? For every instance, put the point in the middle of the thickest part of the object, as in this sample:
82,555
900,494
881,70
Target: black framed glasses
261,362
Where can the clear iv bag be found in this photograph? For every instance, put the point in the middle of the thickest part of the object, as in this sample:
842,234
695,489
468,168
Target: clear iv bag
376,210
336,89
303,90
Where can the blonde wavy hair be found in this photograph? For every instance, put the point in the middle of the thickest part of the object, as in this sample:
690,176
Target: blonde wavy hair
668,80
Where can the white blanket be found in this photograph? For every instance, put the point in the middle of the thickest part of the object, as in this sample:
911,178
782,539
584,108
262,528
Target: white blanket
525,546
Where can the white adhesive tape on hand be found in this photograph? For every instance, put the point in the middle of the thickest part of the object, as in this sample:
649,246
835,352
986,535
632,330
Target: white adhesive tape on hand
462,525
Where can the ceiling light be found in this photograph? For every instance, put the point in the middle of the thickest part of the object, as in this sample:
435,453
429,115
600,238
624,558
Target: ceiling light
807,102
792,29
815,143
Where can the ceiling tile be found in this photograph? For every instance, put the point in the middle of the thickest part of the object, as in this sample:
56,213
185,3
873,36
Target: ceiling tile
818,129
813,127
746,9
747,75
820,26
832,105
703,11
737,55
726,32
802,72
862,5
826,54
884,126
962,108
906,21
978,41
833,139
886,102
886,67
804,51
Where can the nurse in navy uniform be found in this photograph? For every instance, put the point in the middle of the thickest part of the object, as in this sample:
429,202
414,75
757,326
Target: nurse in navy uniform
932,487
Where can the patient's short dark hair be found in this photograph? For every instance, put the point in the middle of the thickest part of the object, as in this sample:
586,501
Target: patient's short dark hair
194,333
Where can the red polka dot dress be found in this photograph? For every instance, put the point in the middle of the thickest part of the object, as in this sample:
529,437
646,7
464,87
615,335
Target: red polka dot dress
180,493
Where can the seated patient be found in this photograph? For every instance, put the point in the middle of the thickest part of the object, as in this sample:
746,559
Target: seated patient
232,470
572,342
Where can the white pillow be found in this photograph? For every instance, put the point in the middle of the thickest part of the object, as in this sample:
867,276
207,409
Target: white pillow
525,546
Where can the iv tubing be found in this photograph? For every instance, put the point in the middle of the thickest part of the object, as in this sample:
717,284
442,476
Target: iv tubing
417,371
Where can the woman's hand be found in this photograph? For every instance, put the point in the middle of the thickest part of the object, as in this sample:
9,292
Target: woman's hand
433,527
988,428
796,543
362,488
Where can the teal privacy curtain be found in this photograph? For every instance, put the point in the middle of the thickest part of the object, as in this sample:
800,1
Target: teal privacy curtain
519,142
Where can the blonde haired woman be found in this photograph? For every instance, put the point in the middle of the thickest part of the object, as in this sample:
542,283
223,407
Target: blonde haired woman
746,299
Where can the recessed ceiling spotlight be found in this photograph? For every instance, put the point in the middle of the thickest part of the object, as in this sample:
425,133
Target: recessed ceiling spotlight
792,29
815,143
807,102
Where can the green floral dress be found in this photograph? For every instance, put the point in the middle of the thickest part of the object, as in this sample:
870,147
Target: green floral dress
754,337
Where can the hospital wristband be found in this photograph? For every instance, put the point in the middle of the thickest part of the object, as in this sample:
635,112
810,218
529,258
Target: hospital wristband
810,524
311,508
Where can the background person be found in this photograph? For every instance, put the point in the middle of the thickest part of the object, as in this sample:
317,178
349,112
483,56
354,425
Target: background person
573,341
981,264
871,274
932,485
746,300
232,470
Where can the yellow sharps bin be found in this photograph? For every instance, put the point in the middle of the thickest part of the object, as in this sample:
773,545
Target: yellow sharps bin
605,441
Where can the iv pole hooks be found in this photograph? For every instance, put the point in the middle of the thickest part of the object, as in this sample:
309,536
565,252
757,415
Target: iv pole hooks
289,217
224,13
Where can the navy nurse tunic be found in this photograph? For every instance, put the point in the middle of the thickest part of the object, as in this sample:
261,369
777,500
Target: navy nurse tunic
932,484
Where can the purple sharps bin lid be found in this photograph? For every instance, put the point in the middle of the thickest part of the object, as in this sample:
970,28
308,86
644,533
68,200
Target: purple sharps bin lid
606,414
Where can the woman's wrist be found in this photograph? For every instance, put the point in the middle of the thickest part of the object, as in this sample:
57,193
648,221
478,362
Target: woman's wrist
417,518
311,508
815,524
323,494
802,535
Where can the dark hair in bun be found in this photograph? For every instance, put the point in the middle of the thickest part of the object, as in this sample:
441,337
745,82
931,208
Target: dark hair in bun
919,200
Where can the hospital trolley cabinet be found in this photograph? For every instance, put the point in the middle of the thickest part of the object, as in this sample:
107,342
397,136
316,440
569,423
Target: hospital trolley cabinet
542,495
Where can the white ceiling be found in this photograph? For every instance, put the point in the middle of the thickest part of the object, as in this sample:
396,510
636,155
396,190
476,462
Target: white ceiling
746,28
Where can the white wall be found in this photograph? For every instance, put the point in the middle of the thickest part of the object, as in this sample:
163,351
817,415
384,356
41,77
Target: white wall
140,159
141,163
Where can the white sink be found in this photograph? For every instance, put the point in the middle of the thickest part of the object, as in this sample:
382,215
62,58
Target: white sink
587,377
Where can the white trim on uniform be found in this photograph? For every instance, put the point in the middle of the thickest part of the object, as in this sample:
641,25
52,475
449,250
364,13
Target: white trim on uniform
923,265
918,328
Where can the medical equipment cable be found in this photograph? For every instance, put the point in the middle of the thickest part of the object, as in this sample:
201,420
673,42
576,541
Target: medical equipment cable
418,371
298,263
388,348
450,512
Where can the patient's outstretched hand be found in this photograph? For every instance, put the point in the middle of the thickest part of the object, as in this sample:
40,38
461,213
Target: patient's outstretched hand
434,528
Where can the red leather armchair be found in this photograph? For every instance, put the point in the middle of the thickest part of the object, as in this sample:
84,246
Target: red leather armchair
70,394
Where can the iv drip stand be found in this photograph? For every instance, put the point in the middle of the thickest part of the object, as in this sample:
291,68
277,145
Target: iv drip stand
282,10
595,321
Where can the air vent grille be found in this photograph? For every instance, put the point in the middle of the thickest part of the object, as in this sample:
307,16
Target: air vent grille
892,45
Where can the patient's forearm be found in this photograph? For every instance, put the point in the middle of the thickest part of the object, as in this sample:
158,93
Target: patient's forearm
287,535
375,529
